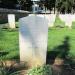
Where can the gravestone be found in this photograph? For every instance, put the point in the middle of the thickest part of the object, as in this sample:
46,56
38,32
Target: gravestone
33,36
73,17
62,17
67,18
11,21
51,19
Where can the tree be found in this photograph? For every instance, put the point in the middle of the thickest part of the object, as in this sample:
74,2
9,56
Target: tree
65,6
50,4
8,3
11,4
25,4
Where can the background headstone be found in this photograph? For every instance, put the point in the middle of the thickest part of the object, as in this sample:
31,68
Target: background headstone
67,18
51,19
62,17
68,21
73,17
33,35
11,20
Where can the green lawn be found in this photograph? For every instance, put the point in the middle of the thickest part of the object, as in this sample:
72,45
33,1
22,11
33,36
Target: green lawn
62,39
59,39
9,44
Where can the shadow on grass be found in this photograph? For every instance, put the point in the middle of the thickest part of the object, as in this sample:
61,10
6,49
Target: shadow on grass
3,53
60,51
16,57
3,21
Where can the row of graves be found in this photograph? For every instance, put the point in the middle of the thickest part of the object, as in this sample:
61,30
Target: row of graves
67,18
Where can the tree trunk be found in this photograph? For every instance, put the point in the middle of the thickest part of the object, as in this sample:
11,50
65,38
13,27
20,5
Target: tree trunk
54,10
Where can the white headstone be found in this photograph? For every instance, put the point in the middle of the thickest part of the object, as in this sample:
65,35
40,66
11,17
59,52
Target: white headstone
11,20
67,18
33,35
51,19
73,17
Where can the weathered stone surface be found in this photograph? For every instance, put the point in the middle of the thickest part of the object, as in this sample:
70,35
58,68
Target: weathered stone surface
11,20
33,35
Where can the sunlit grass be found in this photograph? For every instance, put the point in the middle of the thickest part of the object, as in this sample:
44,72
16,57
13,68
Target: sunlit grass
9,40
56,38
9,44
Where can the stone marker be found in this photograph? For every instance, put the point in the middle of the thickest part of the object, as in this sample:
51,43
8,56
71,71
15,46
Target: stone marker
73,17
51,19
11,20
68,19
62,17
33,36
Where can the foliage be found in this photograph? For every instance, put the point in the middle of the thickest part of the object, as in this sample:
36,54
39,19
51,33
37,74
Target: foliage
43,70
8,3
16,4
50,4
25,4
8,70
65,6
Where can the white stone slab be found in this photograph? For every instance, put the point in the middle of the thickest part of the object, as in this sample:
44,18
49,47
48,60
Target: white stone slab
33,35
67,18
51,19
62,17
73,17
11,20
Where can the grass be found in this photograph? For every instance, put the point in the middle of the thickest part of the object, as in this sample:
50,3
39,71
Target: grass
56,38
59,22
61,39
9,47
9,40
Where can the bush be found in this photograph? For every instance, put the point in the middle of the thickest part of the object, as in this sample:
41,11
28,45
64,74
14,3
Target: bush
43,70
